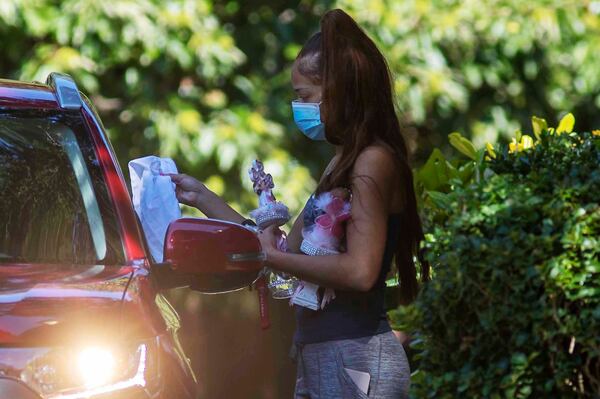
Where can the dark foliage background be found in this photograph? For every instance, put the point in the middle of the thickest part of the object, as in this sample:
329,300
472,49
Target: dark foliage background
514,305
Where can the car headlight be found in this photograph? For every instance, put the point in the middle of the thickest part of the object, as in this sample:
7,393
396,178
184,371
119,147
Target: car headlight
74,373
96,366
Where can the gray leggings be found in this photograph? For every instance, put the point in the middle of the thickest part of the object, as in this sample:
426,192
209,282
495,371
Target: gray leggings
322,368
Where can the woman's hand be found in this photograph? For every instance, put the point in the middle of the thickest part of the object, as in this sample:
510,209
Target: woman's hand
268,240
189,190
192,192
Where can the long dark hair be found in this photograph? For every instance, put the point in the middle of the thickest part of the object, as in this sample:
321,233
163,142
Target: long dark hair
358,110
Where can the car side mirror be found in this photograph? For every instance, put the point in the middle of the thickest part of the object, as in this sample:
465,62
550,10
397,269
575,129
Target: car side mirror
210,255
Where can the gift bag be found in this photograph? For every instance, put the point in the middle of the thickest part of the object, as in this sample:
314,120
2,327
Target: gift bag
323,237
154,199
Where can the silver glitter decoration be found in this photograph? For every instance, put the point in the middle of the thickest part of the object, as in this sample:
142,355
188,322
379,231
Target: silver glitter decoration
282,286
309,248
276,217
271,212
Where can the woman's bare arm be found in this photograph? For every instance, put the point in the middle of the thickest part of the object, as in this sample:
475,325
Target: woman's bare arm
294,238
359,267
192,192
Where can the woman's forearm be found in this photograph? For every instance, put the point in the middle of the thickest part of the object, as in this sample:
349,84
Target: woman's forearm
294,237
334,271
215,208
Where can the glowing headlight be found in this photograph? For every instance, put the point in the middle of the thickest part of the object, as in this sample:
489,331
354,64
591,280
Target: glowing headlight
89,371
96,366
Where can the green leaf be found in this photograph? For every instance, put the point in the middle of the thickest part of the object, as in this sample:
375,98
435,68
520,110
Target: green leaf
490,150
518,135
566,124
452,171
518,359
463,145
465,172
539,125
392,282
440,200
434,175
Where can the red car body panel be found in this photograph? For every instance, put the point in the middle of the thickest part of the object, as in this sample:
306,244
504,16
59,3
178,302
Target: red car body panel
117,187
217,238
47,305
26,95
58,305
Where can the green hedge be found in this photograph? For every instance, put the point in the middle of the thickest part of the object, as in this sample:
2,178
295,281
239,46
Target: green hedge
513,309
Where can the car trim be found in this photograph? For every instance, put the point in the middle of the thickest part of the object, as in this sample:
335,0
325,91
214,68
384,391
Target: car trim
247,257
66,90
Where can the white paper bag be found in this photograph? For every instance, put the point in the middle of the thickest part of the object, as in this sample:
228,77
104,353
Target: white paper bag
154,199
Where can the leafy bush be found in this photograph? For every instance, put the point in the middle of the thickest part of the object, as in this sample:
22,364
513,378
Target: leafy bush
513,309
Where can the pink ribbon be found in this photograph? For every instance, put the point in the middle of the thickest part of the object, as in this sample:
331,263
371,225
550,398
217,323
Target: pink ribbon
335,213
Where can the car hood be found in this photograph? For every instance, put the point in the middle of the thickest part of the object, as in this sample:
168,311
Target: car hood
60,304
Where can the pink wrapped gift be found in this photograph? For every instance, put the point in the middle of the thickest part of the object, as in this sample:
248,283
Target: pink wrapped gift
325,237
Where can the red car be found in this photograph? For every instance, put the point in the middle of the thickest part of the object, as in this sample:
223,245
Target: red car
81,309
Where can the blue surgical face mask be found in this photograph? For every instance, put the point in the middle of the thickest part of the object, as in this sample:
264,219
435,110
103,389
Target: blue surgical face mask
308,119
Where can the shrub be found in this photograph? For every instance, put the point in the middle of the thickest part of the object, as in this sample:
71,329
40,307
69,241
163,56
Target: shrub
513,309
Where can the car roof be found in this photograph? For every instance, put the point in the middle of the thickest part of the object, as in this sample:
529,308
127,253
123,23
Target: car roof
16,94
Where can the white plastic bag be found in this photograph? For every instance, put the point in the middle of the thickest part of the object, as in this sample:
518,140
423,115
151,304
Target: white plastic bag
154,199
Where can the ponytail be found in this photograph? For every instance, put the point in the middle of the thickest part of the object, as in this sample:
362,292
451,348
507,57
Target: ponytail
358,110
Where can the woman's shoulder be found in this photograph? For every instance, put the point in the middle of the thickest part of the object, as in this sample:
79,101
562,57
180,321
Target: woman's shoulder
376,169
377,158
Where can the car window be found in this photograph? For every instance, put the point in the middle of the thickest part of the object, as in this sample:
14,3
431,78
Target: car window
54,203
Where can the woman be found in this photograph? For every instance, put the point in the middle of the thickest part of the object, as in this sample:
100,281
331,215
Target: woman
347,349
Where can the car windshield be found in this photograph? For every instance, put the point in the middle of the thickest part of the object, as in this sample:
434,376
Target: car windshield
54,203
